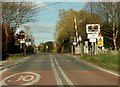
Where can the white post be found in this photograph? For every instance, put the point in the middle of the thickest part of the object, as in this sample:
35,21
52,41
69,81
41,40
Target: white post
71,48
92,48
76,28
95,48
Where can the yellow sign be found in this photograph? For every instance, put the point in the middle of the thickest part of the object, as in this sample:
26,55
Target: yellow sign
100,41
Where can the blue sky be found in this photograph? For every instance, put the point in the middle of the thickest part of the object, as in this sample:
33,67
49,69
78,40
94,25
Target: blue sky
43,29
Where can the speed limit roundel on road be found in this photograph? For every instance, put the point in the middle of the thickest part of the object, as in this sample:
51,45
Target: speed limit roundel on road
24,78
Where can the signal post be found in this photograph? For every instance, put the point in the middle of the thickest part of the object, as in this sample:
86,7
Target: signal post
93,31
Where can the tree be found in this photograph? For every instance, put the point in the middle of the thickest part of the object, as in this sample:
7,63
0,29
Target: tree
5,40
17,12
109,11
65,29
12,14
48,46
85,17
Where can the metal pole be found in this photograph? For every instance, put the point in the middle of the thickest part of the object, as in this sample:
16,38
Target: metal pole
24,49
71,48
92,48
95,48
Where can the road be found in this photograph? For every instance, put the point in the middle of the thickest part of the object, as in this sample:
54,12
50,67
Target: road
52,69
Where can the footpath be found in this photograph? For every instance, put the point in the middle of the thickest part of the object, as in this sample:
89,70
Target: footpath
10,63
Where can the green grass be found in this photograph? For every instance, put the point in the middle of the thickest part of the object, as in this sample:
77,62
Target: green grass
108,60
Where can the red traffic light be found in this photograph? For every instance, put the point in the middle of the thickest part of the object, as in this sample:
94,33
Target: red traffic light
92,28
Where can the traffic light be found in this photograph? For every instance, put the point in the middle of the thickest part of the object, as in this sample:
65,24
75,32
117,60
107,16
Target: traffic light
95,28
92,28
89,28
19,36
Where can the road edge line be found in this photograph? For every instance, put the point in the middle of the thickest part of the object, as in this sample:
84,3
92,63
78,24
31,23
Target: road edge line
96,66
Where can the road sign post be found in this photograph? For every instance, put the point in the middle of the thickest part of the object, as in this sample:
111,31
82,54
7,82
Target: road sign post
93,31
100,41
86,47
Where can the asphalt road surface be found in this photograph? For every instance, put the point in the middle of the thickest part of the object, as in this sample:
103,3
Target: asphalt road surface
48,69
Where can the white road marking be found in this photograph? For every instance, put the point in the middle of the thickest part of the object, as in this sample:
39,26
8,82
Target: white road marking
1,76
40,60
26,78
107,71
97,67
59,82
63,74
35,77
2,71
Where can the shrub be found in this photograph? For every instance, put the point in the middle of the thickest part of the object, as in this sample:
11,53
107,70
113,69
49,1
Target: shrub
30,49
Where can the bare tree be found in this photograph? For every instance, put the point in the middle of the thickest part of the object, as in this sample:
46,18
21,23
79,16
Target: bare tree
109,11
14,12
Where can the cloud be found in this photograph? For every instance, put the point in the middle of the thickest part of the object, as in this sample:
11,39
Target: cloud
41,32
40,4
41,27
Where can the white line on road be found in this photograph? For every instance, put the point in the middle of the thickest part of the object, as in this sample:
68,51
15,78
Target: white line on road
63,74
2,71
97,67
107,71
39,60
59,82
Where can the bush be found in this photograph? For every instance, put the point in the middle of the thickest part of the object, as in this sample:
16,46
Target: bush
30,49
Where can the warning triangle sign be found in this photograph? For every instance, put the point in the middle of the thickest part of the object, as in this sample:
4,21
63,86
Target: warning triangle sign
100,41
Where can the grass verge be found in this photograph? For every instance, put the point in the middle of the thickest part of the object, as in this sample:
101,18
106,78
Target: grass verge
104,60
15,56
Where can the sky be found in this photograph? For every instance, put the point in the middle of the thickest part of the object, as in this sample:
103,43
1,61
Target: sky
43,28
